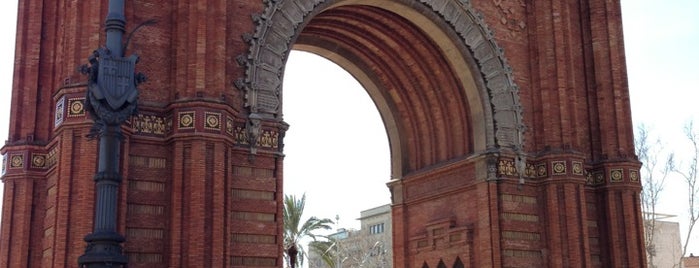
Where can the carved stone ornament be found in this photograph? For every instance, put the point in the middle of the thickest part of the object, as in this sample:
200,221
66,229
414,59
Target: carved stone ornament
280,22
112,94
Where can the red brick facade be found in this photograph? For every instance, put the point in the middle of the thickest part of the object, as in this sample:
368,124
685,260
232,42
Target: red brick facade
509,124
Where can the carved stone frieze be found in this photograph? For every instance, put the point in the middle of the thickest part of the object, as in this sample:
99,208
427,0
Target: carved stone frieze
150,125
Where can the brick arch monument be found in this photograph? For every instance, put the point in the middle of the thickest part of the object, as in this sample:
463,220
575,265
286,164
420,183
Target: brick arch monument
509,127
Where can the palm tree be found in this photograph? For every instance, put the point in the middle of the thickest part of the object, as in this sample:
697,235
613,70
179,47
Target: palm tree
295,231
326,250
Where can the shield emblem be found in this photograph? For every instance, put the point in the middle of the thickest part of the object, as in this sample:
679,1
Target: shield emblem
115,80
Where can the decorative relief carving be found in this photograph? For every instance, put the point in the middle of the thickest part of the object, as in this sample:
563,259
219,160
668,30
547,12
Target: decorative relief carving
440,235
633,175
150,125
558,167
507,168
60,112
239,135
186,120
616,175
254,134
541,170
212,121
76,107
16,161
599,178
229,126
51,157
3,169
577,168
530,171
496,72
38,161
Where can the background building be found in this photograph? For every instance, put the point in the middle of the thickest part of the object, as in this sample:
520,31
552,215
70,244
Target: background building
667,243
368,247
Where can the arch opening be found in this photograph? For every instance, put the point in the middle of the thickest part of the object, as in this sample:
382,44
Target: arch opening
421,83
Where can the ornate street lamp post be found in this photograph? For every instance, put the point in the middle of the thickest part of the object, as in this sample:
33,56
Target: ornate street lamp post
111,100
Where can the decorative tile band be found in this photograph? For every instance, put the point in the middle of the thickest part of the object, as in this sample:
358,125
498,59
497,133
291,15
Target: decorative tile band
613,175
216,122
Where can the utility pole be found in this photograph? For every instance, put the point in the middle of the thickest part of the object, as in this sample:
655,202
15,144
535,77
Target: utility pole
111,100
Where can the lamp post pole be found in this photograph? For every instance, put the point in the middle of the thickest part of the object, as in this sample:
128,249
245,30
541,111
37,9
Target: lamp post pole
111,99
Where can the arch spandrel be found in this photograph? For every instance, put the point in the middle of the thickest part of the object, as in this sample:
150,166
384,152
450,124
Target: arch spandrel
494,113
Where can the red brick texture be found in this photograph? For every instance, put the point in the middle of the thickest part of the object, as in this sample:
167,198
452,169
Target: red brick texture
203,183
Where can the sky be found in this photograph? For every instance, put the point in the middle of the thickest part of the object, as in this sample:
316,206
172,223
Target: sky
337,148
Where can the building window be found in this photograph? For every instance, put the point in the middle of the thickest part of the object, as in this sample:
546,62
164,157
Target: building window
376,228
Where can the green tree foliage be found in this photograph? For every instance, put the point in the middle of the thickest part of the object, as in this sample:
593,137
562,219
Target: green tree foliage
295,230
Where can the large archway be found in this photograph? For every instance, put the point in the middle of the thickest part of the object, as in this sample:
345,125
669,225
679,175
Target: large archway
441,85
407,50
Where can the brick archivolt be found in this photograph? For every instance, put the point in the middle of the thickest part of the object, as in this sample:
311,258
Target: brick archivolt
440,81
